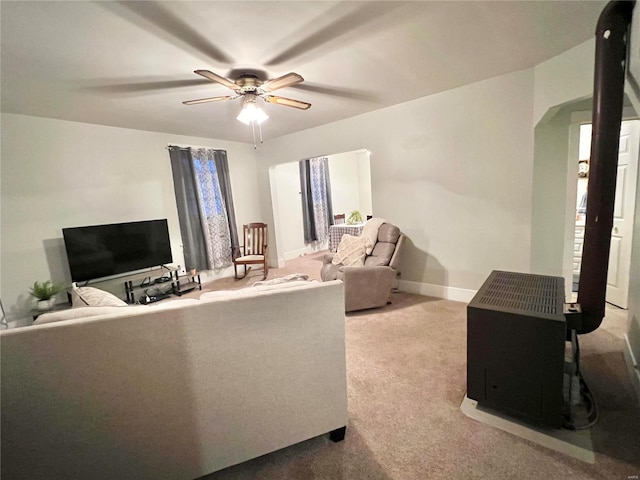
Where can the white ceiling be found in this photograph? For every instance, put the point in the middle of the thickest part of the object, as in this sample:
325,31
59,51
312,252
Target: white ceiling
130,64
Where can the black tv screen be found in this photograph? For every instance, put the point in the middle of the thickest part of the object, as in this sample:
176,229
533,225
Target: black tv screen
97,251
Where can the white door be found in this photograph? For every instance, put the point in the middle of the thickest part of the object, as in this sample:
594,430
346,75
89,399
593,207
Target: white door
621,235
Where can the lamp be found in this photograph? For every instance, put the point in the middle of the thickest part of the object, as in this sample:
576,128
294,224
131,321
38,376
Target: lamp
252,114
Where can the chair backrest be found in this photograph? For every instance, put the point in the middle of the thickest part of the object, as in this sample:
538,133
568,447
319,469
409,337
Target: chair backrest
256,236
384,251
339,218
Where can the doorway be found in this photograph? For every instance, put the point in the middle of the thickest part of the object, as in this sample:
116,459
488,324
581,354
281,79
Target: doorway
350,176
622,232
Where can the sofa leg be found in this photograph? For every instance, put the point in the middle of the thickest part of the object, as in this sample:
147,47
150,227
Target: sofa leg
337,435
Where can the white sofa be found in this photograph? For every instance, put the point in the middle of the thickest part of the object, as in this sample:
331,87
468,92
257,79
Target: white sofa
174,392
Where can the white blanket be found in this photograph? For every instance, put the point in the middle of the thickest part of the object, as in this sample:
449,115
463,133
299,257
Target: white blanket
370,233
294,277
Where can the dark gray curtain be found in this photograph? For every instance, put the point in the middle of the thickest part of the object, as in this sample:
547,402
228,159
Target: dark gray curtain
193,241
315,189
189,208
222,165
307,204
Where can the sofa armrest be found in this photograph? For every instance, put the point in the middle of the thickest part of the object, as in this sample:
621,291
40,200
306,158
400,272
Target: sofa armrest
366,287
328,257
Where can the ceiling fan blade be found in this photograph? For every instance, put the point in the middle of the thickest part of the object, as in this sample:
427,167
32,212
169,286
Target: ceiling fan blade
218,79
281,82
165,23
210,99
142,86
287,102
346,22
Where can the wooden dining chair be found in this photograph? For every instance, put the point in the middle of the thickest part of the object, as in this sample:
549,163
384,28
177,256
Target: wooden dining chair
254,249
339,218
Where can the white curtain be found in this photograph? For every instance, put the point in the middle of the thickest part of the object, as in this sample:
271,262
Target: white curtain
213,213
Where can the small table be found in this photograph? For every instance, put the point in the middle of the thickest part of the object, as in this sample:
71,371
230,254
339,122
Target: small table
337,231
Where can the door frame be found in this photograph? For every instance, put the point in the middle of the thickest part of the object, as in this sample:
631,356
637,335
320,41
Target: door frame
577,119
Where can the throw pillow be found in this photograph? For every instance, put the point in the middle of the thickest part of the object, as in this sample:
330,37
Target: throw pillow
94,297
351,251
370,232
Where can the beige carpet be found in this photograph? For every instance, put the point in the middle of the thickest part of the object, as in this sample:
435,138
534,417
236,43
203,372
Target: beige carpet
406,368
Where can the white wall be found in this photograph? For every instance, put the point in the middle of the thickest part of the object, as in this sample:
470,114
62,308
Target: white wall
288,207
561,86
563,79
346,184
364,175
58,174
452,170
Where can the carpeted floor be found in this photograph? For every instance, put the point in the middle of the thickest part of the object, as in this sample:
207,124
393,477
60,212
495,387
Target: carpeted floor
406,368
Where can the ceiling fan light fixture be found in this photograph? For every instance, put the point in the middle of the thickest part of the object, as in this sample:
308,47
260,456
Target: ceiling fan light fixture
250,112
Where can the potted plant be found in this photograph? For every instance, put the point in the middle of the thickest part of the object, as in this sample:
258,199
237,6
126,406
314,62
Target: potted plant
45,293
354,217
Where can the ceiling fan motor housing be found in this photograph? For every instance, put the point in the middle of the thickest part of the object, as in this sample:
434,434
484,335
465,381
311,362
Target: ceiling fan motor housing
248,83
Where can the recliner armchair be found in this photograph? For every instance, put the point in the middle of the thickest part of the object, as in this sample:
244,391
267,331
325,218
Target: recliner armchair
369,286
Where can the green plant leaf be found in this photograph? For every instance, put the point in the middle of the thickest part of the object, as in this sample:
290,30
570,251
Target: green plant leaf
354,217
45,290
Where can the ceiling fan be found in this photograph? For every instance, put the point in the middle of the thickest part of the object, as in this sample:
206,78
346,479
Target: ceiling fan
249,86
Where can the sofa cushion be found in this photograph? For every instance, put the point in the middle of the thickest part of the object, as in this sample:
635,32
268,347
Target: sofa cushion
172,304
388,233
381,254
256,287
351,251
224,294
94,297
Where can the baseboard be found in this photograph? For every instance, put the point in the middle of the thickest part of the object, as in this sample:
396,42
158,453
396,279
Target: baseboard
633,368
438,291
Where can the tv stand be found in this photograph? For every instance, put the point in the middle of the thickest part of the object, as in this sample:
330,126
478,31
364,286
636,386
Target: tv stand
136,284
186,283
147,299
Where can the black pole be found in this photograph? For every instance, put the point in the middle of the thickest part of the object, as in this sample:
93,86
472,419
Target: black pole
612,35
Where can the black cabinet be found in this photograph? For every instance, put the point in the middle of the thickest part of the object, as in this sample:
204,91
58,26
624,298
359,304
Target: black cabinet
516,332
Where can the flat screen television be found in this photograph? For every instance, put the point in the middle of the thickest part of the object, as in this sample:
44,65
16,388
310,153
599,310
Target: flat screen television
98,251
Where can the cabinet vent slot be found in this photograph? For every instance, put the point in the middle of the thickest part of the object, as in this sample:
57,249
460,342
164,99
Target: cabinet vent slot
522,292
